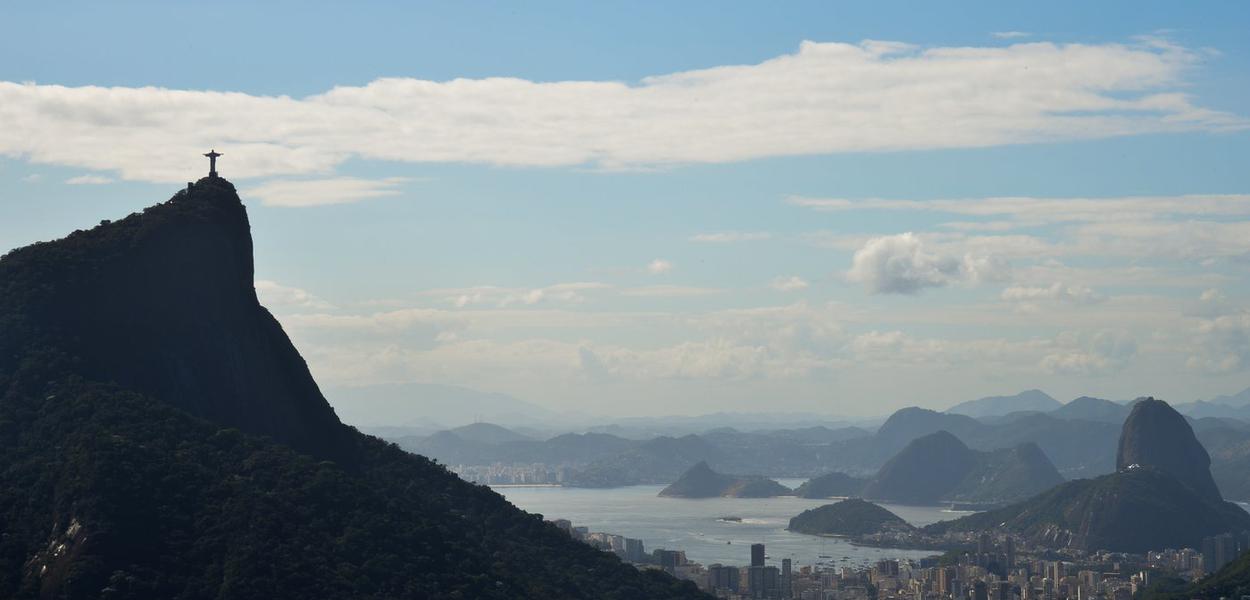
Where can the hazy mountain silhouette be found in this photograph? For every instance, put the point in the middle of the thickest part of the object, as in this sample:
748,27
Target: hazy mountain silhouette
830,485
160,437
1028,400
1093,409
1075,447
939,467
488,433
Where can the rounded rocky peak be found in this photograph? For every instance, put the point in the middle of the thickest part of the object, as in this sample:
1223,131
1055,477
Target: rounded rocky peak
1156,435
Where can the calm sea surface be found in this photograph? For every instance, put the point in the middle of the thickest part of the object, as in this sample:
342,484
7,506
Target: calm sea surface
695,525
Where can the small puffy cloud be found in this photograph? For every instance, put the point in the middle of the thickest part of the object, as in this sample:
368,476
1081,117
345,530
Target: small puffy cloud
297,193
659,266
731,236
274,294
900,264
33,178
1055,292
88,180
1010,35
792,283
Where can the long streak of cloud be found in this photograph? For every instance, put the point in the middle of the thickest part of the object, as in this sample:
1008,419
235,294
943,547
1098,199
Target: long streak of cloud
825,98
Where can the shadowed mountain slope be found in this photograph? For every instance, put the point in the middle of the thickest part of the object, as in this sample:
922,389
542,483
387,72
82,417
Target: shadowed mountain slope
160,437
939,467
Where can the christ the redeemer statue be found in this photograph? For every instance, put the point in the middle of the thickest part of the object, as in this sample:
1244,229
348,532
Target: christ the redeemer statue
212,162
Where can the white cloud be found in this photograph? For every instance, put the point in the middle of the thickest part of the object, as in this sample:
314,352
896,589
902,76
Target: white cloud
824,98
900,264
1103,353
297,193
33,178
1221,343
1055,292
792,283
659,266
731,236
1191,227
88,180
1010,35
669,291
1028,211
574,292
274,294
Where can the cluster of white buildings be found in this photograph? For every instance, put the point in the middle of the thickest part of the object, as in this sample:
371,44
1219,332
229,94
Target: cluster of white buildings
501,474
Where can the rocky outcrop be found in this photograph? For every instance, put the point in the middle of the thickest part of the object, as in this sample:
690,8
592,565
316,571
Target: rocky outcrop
1155,435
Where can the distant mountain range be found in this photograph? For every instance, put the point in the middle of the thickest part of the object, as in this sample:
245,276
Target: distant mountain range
1076,447
1240,399
1079,438
700,481
1028,400
1161,497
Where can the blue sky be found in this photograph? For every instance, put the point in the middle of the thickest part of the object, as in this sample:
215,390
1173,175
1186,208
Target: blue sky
639,208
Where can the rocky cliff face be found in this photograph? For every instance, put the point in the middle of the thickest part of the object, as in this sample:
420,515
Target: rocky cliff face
1155,435
162,302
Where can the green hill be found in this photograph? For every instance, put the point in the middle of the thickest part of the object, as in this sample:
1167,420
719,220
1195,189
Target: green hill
160,437
940,468
831,485
1132,511
700,481
850,517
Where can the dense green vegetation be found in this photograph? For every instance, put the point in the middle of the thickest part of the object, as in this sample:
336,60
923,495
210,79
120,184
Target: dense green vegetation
1132,511
160,438
849,517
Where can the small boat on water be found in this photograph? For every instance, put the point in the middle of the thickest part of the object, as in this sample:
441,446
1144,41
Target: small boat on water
731,519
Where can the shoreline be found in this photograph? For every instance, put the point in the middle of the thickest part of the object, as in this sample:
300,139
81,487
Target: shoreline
524,485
